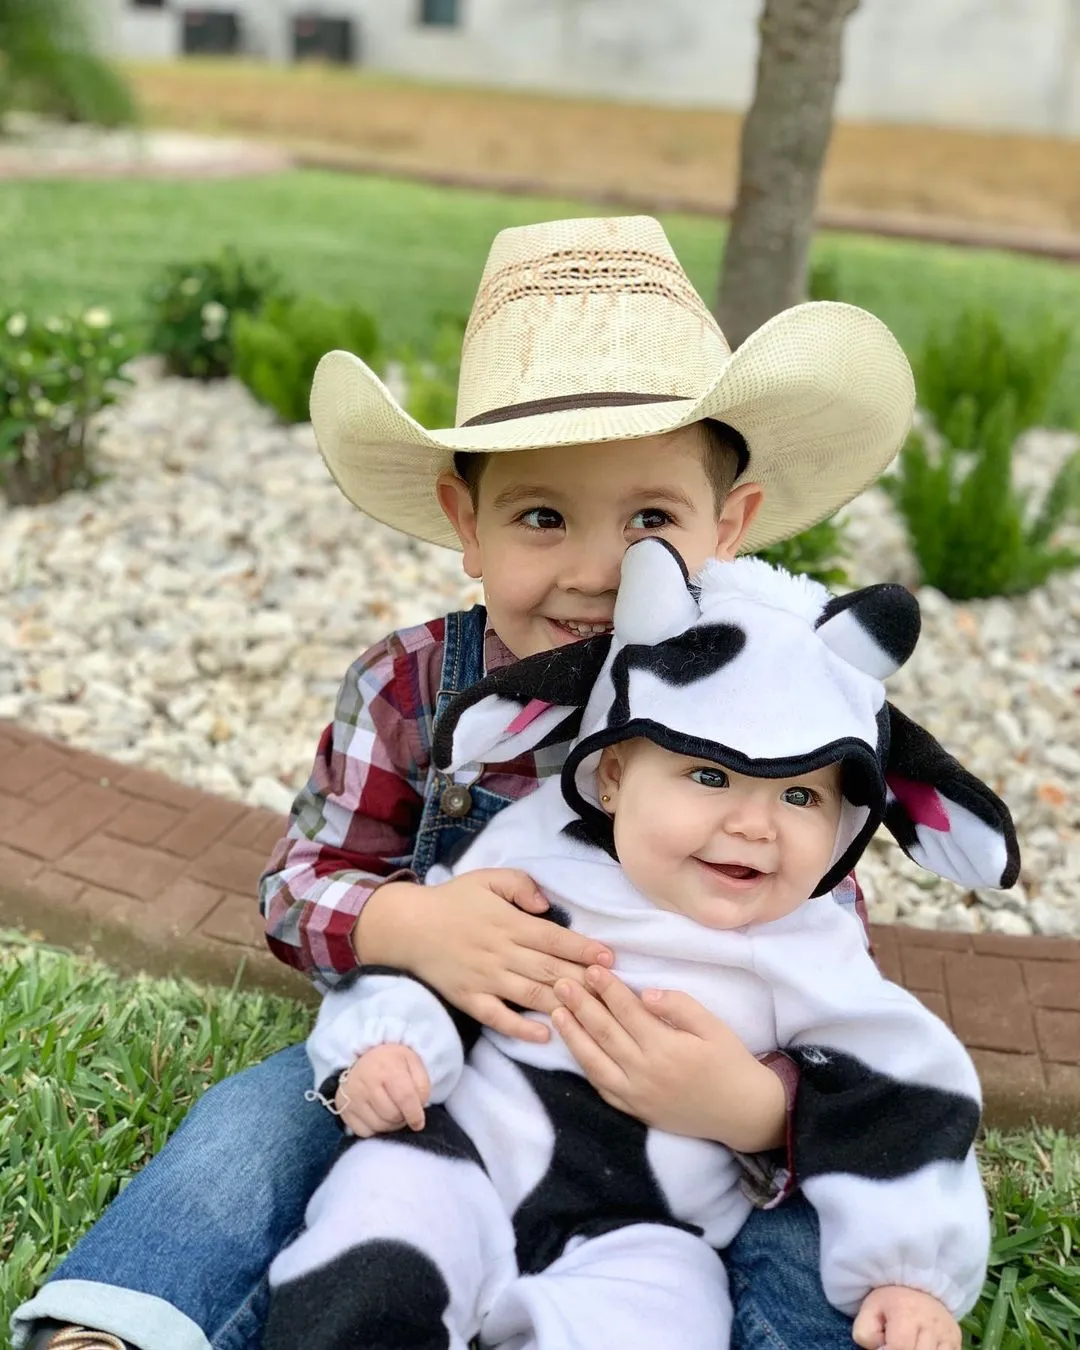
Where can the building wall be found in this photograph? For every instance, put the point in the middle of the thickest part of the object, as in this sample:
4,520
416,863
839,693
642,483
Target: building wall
991,64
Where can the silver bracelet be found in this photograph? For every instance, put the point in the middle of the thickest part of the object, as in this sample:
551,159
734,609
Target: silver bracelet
314,1095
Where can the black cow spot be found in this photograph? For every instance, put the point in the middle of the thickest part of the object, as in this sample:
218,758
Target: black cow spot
680,661
901,826
599,1178
556,914
441,1136
596,831
381,1295
850,1117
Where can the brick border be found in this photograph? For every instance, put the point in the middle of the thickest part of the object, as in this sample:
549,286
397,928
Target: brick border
160,877
154,875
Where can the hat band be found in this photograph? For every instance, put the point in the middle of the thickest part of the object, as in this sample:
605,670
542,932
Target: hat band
604,400
566,401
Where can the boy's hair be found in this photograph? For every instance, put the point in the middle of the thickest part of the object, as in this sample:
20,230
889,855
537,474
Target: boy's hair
724,457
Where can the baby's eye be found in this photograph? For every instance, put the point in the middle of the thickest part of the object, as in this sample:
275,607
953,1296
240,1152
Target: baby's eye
800,796
651,518
709,777
542,518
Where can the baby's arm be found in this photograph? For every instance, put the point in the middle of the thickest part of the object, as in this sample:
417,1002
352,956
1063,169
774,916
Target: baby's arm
885,1120
388,1010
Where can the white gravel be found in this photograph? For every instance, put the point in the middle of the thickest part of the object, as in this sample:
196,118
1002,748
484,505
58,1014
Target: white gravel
195,614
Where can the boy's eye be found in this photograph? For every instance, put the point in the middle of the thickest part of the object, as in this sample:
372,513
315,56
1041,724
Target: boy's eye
542,518
709,777
651,518
800,796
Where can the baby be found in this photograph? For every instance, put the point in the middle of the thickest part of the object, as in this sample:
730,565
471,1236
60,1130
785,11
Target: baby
735,754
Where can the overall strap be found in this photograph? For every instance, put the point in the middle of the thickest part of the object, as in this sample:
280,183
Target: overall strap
451,810
463,654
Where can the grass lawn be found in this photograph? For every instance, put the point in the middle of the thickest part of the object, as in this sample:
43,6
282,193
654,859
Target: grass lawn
95,1071
409,251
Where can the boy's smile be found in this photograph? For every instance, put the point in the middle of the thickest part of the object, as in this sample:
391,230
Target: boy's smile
550,527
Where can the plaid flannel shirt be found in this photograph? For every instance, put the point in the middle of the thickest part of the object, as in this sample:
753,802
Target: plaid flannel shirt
354,826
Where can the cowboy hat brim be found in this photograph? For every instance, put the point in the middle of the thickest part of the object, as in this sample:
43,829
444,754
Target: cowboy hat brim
822,393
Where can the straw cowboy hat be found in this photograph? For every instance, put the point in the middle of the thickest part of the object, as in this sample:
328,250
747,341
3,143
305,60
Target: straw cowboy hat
589,330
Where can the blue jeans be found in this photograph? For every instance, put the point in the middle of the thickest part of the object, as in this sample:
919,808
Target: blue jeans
179,1260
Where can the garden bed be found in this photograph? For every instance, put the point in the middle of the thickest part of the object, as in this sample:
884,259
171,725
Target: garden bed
196,612
408,252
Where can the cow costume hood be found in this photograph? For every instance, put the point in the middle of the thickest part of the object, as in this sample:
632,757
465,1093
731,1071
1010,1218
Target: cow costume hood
758,670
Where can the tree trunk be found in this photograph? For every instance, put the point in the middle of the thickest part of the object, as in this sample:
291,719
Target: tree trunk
784,138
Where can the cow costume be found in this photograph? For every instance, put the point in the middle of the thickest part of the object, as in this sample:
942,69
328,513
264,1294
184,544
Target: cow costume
530,1213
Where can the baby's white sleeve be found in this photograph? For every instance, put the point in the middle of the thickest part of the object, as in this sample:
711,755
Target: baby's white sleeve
885,1118
386,1008
927,1230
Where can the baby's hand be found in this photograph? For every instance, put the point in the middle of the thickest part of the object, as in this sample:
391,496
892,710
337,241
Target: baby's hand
897,1318
668,1061
386,1088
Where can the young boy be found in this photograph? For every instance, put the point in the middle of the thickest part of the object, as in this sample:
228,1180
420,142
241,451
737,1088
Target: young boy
541,1208
591,357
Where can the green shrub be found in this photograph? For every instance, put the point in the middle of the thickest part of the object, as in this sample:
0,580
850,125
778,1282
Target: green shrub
432,378
824,280
47,65
192,308
277,349
978,360
973,532
818,552
53,376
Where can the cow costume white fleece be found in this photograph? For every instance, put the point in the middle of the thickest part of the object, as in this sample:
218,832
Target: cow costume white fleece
530,1213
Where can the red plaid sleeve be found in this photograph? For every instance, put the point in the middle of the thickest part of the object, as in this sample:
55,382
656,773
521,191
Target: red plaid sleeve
353,826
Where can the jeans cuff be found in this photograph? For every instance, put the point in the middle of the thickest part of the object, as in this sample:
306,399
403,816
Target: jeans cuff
143,1319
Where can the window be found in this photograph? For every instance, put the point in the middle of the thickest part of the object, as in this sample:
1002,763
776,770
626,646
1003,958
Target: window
439,13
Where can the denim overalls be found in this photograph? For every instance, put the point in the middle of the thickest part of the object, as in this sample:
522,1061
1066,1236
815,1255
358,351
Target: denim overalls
440,837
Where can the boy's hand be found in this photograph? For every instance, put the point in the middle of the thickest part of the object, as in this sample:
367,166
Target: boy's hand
666,1060
385,1089
476,939
898,1318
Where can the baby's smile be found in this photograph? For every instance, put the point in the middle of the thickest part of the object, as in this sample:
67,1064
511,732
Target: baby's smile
733,875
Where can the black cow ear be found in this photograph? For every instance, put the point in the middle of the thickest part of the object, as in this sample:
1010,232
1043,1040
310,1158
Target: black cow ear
874,629
513,709
942,816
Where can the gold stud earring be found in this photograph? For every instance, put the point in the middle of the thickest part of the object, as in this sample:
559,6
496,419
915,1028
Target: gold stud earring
605,798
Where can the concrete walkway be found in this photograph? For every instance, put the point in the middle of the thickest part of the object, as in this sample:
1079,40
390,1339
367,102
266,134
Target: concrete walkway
151,875
46,150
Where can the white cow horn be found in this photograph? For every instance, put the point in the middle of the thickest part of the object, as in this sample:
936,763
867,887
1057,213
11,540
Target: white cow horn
654,601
